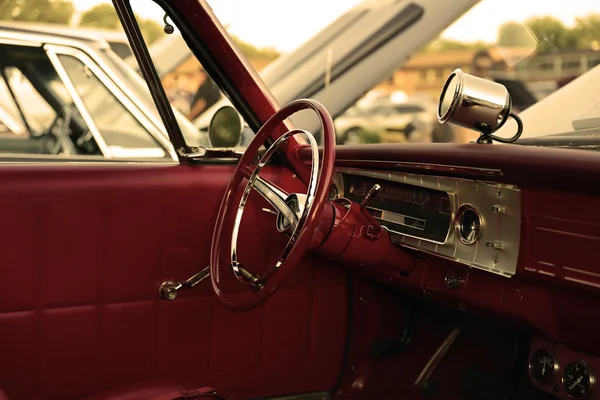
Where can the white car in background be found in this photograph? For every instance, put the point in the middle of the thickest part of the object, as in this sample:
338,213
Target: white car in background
408,121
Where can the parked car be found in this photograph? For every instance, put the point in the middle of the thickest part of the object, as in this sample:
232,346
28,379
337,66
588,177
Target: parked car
76,97
399,122
116,39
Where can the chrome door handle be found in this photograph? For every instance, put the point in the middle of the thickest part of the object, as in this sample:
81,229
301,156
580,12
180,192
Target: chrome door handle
168,290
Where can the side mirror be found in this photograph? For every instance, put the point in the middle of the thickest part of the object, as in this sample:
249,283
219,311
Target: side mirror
225,128
473,103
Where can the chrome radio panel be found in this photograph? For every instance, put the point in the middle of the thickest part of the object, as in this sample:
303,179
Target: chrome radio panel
485,227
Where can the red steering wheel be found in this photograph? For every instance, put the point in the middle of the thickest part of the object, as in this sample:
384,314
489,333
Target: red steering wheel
298,213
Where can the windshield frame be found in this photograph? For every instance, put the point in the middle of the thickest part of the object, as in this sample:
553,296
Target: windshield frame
224,62
136,84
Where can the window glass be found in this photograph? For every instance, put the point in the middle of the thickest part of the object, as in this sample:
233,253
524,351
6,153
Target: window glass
192,92
38,113
533,50
41,114
119,128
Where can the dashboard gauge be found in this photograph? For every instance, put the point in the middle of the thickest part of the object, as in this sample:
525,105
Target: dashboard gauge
543,366
578,380
468,224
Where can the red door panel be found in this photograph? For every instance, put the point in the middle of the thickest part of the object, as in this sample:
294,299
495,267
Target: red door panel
82,252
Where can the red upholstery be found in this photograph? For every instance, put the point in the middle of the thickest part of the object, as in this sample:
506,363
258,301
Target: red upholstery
158,390
140,391
3,395
83,251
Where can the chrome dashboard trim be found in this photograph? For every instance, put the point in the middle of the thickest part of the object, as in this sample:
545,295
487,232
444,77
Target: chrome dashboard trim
395,215
458,224
425,167
486,198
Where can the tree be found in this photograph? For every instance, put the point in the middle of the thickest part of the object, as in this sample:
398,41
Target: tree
48,11
252,52
587,31
552,34
104,16
441,44
100,16
151,30
514,34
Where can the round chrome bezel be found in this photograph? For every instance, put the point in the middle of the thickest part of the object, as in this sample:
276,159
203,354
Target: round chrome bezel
555,366
458,223
459,76
590,374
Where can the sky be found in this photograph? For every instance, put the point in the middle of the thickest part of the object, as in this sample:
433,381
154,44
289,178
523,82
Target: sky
257,21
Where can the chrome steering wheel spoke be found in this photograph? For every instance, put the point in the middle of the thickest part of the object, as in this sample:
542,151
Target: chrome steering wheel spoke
292,209
277,198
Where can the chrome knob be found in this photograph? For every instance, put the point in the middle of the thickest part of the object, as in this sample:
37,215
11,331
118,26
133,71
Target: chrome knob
168,290
452,280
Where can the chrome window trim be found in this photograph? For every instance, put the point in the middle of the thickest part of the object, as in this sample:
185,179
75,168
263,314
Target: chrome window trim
12,124
64,76
440,168
75,160
140,115
7,36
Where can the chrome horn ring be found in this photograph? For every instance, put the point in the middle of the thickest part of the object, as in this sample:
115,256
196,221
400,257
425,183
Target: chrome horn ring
282,202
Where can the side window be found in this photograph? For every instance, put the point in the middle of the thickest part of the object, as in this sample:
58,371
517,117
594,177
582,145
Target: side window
123,133
59,101
36,102
10,122
37,111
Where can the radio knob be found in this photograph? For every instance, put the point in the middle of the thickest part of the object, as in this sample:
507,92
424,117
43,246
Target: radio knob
452,280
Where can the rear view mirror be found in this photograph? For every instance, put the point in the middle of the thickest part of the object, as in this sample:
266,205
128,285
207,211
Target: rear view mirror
225,129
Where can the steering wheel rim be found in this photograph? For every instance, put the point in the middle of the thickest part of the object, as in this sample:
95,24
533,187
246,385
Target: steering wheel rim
260,288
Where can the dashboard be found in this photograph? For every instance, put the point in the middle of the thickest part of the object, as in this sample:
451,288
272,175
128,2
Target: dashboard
539,205
473,222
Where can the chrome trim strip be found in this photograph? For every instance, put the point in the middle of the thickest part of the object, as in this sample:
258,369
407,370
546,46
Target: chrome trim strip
19,42
276,198
458,224
70,86
96,163
384,212
9,36
424,166
12,124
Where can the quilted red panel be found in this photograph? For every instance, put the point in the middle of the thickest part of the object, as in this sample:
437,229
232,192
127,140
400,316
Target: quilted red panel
82,252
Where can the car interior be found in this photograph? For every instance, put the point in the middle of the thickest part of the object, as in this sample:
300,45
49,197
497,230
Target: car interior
295,270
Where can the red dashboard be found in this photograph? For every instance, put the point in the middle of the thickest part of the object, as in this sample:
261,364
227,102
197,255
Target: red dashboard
550,288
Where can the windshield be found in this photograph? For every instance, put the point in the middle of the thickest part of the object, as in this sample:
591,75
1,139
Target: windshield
379,65
534,51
